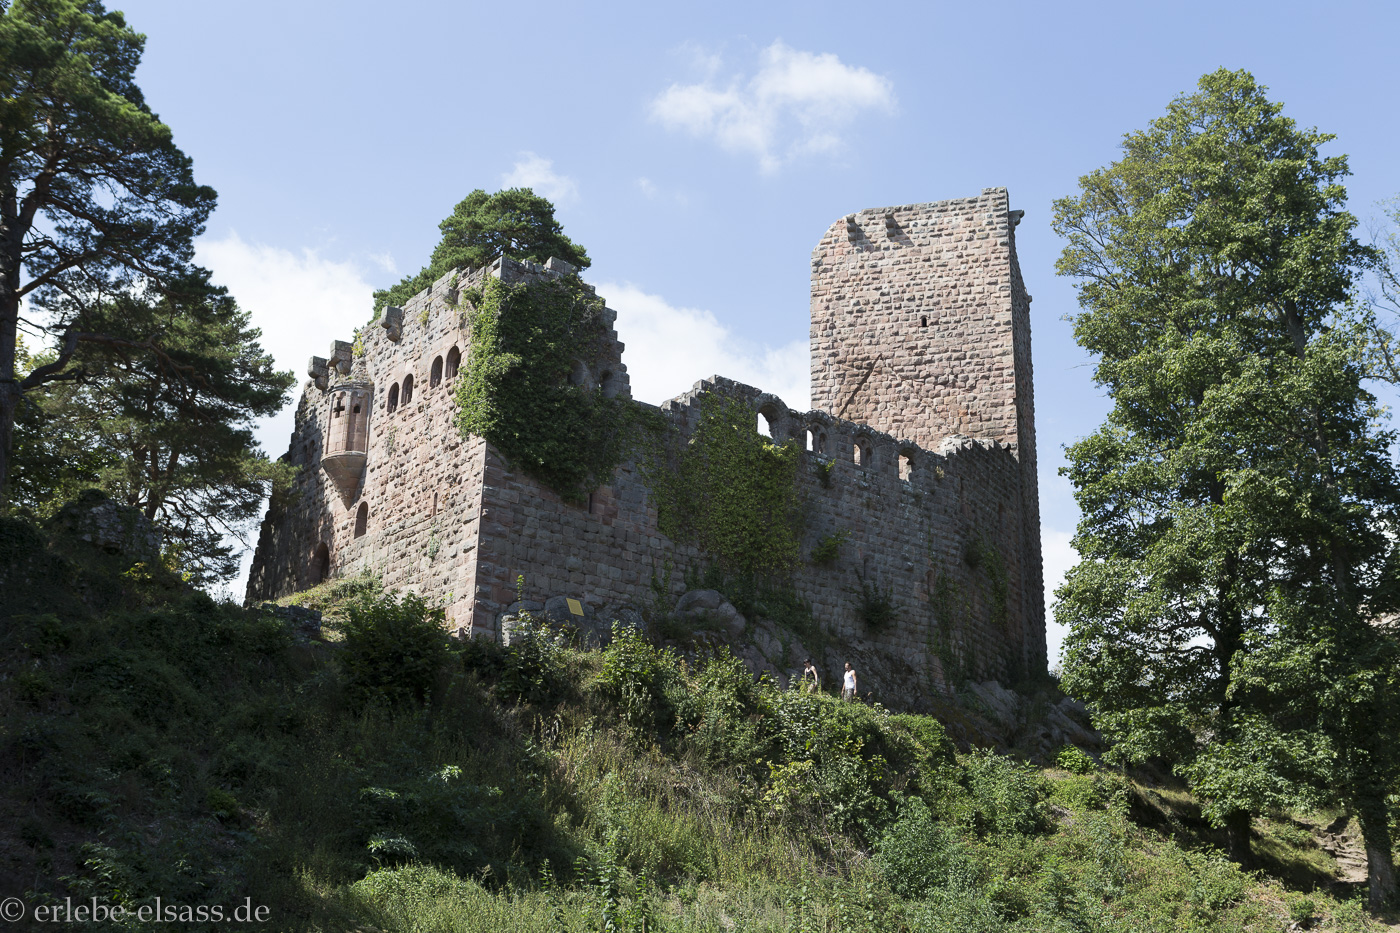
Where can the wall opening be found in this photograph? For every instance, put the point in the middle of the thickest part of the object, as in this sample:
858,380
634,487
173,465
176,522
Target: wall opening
590,503
861,454
811,441
435,374
608,382
923,320
906,466
393,404
435,503
454,363
821,443
362,520
321,564
407,395
579,375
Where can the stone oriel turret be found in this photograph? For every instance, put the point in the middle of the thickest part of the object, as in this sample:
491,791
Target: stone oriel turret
347,428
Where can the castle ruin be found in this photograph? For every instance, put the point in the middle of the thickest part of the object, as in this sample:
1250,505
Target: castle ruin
920,451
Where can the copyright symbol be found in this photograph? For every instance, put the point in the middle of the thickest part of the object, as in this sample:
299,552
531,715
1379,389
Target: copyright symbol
11,908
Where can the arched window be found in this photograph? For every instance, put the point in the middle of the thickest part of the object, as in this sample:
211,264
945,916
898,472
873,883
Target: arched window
821,443
812,441
862,452
361,519
393,402
407,389
923,320
608,383
321,565
435,377
906,466
454,363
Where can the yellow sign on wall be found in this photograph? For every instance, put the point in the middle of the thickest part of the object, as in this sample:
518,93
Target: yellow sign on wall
575,607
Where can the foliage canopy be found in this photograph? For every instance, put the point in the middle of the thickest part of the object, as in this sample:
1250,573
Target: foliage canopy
168,433
96,198
515,222
1239,501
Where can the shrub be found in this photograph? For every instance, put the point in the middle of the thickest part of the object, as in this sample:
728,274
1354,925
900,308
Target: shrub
642,679
1075,761
1004,796
393,649
918,855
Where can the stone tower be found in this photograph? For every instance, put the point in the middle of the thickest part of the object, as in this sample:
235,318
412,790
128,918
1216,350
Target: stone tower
921,328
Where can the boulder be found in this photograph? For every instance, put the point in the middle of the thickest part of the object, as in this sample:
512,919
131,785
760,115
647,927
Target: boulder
709,609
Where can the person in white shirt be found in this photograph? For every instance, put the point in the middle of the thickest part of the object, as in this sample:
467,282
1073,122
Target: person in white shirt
848,685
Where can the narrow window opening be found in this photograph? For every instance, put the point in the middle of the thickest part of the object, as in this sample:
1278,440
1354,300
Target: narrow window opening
357,409
590,503
392,405
407,389
435,376
906,467
821,443
608,382
811,441
923,320
435,503
339,408
321,564
362,520
454,362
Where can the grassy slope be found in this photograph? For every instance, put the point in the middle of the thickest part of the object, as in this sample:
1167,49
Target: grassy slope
165,745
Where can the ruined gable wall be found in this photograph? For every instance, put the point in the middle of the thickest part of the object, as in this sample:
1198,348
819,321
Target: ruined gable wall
421,482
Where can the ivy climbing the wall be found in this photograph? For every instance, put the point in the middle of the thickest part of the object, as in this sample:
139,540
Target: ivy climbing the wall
514,388
733,492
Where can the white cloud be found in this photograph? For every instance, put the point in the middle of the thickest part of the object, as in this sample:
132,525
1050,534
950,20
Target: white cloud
669,349
796,103
385,261
301,301
537,173
1057,556
651,190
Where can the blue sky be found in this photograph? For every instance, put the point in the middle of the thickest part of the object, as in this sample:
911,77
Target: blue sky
698,152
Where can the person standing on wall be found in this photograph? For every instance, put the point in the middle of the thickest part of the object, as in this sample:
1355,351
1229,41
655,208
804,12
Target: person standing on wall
848,684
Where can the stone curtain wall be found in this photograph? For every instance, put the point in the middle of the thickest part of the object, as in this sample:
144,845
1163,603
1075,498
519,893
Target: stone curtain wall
920,334
909,537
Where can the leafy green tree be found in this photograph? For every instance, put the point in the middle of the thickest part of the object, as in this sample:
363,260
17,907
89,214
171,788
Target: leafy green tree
95,198
1239,503
169,433
515,222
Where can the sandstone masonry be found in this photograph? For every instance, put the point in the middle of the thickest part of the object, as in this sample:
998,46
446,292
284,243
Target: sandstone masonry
921,450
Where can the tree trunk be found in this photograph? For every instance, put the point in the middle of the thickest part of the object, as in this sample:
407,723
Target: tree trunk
9,404
1380,863
1237,832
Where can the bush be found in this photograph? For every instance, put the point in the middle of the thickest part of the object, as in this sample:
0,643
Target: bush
1075,761
918,855
393,649
1004,796
643,680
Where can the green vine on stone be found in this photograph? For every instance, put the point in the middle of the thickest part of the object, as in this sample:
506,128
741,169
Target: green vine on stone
733,492
825,551
514,389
